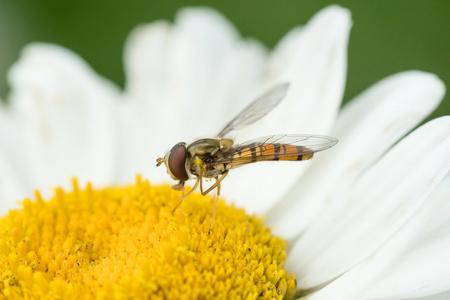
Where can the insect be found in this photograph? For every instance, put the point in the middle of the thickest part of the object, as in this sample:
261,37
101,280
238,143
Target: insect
215,157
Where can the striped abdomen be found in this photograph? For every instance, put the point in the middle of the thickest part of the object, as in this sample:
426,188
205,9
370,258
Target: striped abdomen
272,151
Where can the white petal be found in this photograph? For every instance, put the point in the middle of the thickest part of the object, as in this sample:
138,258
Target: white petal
197,53
193,87
145,60
366,128
11,143
313,59
414,263
379,203
12,169
441,296
11,189
202,40
144,109
67,114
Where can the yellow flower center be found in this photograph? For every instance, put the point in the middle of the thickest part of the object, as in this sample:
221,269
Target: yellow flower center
126,243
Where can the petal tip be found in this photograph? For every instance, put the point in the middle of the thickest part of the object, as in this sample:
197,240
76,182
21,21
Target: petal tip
426,81
337,15
202,14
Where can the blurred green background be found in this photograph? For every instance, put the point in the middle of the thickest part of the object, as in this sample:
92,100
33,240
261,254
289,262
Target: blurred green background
387,36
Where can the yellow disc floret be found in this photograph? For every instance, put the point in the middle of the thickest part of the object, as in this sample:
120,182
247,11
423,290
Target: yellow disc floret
125,243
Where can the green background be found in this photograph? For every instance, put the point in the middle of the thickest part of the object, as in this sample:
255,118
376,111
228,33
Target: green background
387,36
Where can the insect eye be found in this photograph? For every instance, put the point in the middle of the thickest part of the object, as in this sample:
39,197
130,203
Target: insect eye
177,161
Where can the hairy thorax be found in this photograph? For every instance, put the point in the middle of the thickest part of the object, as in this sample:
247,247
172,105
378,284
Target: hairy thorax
202,153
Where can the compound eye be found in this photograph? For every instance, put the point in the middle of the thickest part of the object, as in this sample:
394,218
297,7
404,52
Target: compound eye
177,162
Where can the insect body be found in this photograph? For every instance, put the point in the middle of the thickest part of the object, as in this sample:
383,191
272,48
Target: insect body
214,157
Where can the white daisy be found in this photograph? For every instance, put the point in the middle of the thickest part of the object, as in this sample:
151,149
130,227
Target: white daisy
367,219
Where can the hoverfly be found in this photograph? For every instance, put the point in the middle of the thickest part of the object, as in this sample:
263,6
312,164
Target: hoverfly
214,157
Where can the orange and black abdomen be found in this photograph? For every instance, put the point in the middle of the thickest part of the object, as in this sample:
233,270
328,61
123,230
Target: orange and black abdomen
272,152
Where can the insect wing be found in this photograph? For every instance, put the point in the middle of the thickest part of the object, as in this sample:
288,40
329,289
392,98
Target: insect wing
260,107
288,147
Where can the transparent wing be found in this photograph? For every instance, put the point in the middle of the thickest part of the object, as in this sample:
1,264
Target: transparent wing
290,147
260,107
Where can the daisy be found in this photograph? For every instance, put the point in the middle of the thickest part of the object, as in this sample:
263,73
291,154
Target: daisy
367,219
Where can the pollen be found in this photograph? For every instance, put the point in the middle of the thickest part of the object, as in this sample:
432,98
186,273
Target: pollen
125,242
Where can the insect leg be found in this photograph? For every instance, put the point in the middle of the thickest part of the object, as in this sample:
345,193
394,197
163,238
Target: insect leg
201,187
218,180
183,195
201,182
216,184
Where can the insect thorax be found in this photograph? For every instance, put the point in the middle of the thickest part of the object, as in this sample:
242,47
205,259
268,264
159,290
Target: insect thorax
201,154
